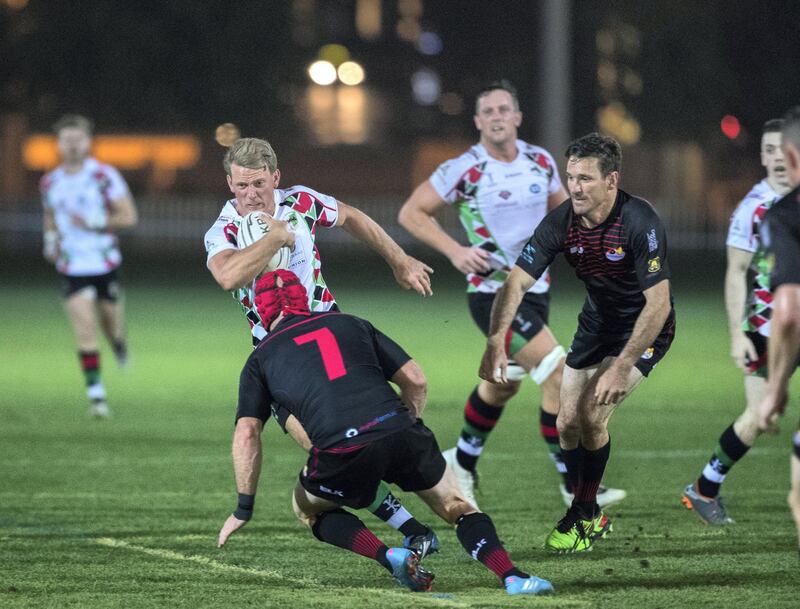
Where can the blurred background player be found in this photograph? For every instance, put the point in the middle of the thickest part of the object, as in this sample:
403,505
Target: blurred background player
251,167
782,239
85,203
332,372
502,188
748,300
617,244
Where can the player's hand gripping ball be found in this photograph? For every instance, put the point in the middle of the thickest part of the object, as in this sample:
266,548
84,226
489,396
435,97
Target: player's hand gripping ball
253,227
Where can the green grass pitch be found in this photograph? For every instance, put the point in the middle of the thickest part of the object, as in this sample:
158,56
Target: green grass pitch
125,513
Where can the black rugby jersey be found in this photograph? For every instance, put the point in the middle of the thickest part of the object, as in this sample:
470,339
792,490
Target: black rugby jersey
616,260
782,239
330,371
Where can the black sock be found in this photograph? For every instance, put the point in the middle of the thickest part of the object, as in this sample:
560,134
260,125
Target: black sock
729,450
573,460
120,348
594,465
479,538
344,530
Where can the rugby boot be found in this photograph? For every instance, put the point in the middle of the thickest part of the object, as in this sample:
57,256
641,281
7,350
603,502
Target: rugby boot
407,571
576,533
422,544
467,480
528,585
710,510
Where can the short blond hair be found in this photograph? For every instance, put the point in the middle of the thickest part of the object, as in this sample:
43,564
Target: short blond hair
252,153
74,121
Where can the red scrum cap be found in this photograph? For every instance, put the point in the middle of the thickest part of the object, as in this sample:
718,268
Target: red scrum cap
280,292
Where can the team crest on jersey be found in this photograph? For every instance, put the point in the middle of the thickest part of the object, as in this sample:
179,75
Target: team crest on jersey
615,254
654,265
504,195
231,230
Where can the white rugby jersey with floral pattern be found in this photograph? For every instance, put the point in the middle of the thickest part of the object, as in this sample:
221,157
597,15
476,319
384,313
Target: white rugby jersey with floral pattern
744,234
87,194
500,204
304,209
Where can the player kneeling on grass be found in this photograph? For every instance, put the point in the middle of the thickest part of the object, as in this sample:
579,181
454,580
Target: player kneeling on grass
330,371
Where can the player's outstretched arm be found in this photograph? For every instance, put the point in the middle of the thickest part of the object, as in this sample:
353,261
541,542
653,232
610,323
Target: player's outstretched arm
417,217
413,386
247,469
735,296
783,349
409,272
236,268
494,363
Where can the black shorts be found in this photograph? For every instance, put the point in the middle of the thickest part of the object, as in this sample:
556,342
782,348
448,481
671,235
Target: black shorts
532,315
409,458
592,344
106,287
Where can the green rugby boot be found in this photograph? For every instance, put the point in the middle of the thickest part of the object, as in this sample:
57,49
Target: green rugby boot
574,533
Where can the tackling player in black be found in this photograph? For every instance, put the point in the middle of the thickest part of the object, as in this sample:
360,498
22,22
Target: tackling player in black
782,240
618,246
330,371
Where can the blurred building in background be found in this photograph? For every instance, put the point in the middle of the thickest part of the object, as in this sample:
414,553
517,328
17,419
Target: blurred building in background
363,99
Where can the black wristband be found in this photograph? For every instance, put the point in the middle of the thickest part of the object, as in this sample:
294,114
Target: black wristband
244,511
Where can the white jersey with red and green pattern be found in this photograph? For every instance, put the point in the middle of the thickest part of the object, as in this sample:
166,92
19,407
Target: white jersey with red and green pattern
87,194
304,209
500,204
744,234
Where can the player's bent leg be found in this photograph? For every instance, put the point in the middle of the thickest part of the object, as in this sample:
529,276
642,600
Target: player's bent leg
703,495
112,321
478,536
306,506
335,526
481,414
388,508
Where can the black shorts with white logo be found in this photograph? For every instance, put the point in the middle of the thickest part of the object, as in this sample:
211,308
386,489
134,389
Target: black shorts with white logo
106,287
591,345
531,316
409,458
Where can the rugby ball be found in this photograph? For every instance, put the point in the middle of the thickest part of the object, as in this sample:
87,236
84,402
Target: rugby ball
252,228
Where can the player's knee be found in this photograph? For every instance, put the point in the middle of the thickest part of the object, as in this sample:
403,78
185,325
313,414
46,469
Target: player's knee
567,423
498,395
793,499
303,516
455,508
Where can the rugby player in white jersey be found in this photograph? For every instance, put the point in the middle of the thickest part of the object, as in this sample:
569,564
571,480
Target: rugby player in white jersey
748,300
298,212
85,203
502,187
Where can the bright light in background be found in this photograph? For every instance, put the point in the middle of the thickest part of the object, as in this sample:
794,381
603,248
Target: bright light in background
322,72
429,43
730,126
351,73
226,134
334,53
426,87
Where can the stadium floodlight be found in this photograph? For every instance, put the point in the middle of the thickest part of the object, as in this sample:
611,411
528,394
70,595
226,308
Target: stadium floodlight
351,73
322,72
